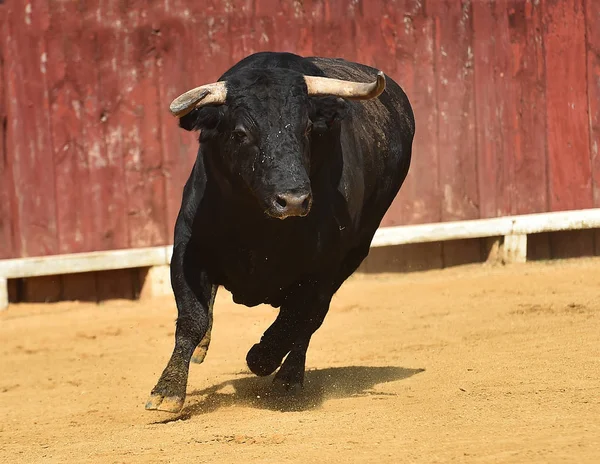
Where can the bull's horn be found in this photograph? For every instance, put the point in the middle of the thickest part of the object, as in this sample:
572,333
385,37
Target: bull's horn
209,94
345,89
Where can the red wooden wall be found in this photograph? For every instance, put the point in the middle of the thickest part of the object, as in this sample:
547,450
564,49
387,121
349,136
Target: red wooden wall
506,95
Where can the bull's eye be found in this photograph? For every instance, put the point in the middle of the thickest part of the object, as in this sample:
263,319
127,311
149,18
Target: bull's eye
240,135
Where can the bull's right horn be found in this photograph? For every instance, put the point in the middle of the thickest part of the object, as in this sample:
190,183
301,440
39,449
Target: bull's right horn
209,94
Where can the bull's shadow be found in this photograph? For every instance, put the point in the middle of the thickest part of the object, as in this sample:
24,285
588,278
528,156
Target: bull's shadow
319,385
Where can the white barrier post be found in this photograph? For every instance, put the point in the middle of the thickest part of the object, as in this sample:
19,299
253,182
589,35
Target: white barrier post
515,248
3,293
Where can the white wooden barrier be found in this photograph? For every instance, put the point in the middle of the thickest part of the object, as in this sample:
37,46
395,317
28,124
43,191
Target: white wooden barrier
157,258
514,229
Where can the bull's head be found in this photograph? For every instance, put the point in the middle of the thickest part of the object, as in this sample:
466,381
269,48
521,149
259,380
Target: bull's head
261,122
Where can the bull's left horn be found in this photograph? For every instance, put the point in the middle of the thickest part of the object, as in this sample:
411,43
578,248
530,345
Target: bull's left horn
345,89
209,94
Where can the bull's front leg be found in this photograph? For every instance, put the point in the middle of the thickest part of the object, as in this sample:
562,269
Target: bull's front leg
194,294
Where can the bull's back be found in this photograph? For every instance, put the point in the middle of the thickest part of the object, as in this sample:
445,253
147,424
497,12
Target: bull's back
393,104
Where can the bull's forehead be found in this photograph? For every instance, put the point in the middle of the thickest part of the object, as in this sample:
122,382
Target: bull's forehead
272,98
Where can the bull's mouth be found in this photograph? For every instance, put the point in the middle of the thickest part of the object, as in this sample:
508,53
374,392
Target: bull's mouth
285,205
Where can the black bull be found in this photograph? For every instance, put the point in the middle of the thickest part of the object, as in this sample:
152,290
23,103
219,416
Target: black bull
273,148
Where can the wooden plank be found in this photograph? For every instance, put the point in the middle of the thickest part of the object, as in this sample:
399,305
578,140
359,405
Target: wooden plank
409,30
214,45
212,7
572,244
28,136
13,290
528,125
145,183
101,125
454,252
65,74
67,78
265,37
85,262
399,39
178,71
566,96
247,30
456,115
116,284
7,246
369,43
419,200
79,287
110,213
570,173
494,105
454,65
538,247
292,25
264,8
46,289
426,194
339,37
528,78
313,12
402,258
592,10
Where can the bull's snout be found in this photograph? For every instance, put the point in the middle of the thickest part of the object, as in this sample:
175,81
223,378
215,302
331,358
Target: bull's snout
291,204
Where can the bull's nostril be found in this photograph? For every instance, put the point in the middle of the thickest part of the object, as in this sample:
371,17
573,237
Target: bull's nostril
291,204
281,201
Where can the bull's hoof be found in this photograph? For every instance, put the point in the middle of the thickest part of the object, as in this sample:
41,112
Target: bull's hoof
262,361
158,402
283,387
169,393
290,378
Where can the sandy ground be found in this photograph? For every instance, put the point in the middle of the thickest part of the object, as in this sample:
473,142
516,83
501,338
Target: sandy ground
470,364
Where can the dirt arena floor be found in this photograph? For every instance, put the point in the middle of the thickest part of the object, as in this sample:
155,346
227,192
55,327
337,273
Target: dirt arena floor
470,364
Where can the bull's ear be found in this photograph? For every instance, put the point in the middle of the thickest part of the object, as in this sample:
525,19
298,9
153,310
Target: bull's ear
205,119
327,111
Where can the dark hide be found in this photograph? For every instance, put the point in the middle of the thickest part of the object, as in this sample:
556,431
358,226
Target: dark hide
330,167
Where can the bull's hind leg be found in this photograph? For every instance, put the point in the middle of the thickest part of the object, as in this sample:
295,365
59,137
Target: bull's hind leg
202,348
266,356
290,376
300,316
